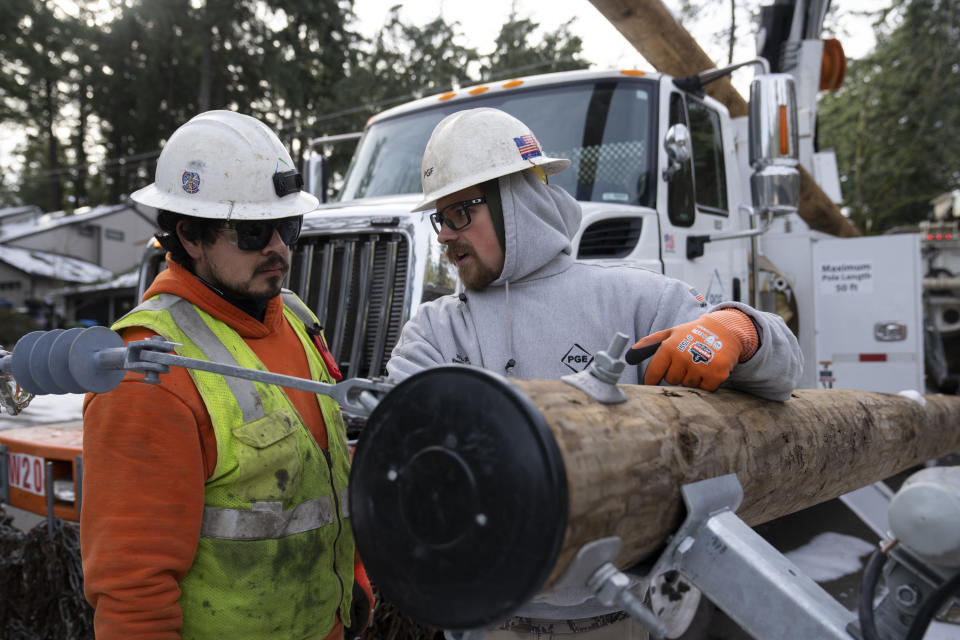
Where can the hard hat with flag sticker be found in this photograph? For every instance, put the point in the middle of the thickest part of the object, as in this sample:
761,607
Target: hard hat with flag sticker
226,165
475,145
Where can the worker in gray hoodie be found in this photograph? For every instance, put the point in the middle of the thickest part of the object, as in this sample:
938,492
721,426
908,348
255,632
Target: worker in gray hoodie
529,305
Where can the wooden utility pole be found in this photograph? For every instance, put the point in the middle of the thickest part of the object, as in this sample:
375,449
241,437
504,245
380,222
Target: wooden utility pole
626,463
488,488
650,27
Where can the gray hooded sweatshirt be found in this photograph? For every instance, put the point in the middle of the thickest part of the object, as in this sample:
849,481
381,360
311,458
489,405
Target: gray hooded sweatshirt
550,315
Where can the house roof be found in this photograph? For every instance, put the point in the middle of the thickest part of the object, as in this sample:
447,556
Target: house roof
56,219
51,265
8,212
127,280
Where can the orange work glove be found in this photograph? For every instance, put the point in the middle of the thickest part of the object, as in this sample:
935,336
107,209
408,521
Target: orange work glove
701,353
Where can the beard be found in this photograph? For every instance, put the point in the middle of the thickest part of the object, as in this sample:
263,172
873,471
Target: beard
475,275
252,288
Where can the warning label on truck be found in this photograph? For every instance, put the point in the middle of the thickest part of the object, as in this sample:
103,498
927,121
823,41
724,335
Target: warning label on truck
25,472
846,277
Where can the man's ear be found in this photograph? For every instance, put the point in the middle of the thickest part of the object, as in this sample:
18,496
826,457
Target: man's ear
192,247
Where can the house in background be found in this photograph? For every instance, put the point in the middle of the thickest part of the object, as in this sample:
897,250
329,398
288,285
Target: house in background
28,276
100,303
16,215
110,236
42,255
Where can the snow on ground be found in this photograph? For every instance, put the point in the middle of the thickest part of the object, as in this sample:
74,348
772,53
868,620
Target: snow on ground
45,410
829,556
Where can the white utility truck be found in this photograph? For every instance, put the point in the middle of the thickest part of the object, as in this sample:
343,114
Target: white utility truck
665,180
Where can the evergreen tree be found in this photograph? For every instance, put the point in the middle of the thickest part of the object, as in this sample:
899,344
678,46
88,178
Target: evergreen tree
36,54
97,91
895,122
513,55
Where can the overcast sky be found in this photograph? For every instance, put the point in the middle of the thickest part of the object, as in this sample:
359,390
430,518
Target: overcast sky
603,45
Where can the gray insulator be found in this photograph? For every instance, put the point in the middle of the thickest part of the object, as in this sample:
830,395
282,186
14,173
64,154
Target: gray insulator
21,363
40,363
59,360
87,366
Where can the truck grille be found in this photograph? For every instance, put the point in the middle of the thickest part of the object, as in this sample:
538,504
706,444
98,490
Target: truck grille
355,284
611,238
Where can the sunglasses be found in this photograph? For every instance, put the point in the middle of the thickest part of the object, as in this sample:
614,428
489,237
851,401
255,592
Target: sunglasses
456,216
254,235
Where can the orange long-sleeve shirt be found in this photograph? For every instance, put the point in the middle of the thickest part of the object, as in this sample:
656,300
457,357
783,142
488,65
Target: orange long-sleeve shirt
148,450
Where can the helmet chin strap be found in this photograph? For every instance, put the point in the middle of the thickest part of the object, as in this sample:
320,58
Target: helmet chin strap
254,307
491,191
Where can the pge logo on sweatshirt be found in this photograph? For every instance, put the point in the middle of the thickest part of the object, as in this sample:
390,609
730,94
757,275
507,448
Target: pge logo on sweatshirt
577,358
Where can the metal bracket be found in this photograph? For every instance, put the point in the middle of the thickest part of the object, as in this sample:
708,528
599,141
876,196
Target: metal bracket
592,567
588,559
599,380
133,359
743,574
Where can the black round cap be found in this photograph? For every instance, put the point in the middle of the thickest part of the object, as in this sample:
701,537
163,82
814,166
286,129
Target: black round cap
458,497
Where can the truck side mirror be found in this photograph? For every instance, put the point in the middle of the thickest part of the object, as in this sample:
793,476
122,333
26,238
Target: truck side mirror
677,145
317,176
774,155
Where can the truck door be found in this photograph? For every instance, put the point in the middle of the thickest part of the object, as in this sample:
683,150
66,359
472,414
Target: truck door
698,201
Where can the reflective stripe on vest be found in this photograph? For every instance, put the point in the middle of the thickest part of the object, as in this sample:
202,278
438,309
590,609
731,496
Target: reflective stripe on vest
268,519
190,322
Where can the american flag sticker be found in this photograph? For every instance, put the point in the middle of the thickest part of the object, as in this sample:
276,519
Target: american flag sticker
698,296
528,147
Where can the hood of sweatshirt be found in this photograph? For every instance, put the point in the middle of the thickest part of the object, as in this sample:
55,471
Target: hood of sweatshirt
539,221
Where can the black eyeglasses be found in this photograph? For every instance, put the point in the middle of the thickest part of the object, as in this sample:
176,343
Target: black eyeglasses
254,235
456,215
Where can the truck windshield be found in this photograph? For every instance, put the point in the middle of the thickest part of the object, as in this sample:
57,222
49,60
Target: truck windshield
602,127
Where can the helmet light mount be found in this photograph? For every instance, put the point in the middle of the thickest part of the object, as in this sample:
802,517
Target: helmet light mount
287,182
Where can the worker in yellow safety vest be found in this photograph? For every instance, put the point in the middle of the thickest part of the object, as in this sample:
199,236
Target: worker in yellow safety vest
216,507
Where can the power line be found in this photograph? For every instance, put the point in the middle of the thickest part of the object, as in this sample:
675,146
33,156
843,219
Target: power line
49,173
295,127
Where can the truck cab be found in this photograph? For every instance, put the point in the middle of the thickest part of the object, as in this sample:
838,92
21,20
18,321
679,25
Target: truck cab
667,181
366,261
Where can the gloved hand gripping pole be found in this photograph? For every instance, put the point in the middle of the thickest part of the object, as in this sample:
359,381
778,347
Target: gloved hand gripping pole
96,360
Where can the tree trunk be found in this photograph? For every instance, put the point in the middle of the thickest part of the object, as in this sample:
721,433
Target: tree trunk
118,184
626,463
56,186
650,27
82,172
206,57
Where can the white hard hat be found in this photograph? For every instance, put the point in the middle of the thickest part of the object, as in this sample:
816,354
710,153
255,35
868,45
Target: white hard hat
472,146
226,165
